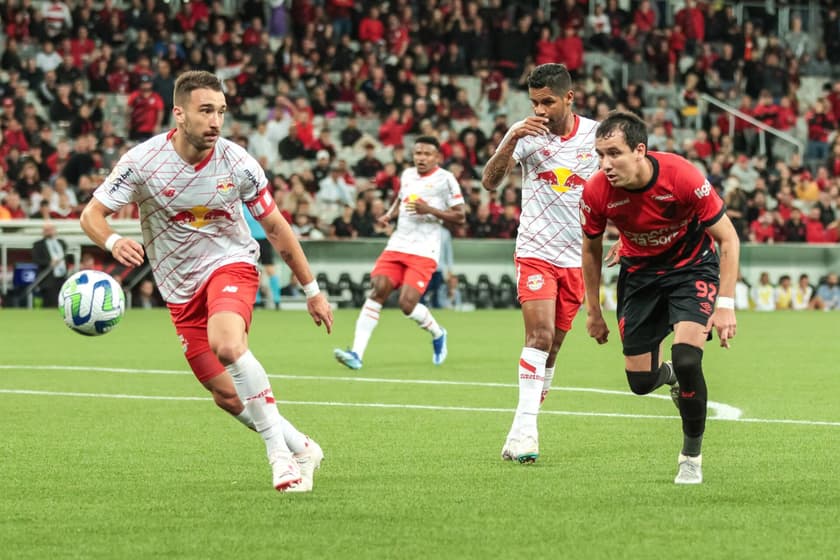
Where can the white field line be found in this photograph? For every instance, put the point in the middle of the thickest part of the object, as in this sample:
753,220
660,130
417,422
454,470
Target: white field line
720,411
410,407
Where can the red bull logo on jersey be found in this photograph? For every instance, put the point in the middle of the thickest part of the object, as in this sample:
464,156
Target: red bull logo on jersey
200,216
224,188
584,155
562,179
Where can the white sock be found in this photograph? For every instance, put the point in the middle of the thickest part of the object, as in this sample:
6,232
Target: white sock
423,317
245,418
549,376
254,390
367,321
295,440
531,379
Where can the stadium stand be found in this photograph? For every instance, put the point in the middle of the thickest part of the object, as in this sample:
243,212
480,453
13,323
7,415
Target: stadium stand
746,90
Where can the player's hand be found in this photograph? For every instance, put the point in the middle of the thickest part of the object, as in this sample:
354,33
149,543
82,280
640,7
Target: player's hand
531,126
597,328
723,320
320,310
384,219
418,206
612,257
128,252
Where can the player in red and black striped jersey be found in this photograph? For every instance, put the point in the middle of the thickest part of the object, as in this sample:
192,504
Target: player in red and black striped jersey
669,218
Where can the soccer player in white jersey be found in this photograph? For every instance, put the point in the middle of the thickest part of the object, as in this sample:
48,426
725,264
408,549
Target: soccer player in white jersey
428,196
556,150
190,185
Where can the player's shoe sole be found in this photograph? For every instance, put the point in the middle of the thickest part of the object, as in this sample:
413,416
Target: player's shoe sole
347,358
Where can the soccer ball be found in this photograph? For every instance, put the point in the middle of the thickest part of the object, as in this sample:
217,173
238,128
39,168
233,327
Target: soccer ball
91,302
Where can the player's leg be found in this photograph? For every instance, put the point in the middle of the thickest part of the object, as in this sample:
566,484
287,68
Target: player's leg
570,294
229,316
537,292
386,275
692,300
418,273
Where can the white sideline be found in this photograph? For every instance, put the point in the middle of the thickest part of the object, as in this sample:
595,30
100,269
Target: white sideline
721,411
412,407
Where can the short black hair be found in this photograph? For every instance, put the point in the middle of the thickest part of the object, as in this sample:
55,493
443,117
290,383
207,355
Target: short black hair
553,76
431,140
633,128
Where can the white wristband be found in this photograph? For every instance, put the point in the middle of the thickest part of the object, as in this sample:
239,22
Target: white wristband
311,290
111,241
724,302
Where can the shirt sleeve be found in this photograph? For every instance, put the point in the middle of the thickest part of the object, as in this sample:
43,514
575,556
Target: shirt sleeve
454,196
119,187
592,220
700,194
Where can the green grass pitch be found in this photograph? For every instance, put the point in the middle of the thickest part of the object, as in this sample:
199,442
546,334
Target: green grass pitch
90,470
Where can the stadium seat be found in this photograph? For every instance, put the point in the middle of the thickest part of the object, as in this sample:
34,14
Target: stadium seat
505,293
483,292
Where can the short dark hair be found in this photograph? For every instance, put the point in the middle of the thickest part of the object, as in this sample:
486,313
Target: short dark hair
633,128
553,76
192,80
431,140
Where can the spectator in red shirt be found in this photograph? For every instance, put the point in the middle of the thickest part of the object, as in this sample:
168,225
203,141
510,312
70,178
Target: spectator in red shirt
763,229
692,21
394,128
816,231
371,28
546,48
645,17
146,109
570,51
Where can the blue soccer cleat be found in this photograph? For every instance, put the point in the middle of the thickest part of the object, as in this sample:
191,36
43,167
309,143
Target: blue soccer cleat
348,358
439,346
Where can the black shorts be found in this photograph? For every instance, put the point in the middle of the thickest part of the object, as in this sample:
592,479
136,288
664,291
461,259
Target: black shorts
266,252
651,302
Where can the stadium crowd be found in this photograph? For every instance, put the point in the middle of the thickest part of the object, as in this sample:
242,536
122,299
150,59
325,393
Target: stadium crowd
328,95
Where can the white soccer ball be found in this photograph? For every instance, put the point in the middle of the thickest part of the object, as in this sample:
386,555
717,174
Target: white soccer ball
91,302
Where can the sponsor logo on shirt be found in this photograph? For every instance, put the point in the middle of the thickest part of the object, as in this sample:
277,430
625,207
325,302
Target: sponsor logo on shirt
200,216
668,196
230,289
618,203
117,181
252,179
561,179
703,190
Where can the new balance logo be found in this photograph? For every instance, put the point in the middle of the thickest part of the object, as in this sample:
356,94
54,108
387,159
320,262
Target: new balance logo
230,289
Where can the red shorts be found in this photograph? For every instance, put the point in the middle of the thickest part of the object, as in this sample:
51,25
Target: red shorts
230,288
402,268
537,279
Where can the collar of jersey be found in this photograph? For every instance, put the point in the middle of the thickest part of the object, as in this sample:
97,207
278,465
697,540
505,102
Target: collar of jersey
201,164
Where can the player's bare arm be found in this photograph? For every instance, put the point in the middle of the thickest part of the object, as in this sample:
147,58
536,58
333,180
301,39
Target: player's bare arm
128,252
502,162
723,318
455,215
283,239
385,218
592,252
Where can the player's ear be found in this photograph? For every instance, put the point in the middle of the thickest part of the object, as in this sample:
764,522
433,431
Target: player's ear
178,112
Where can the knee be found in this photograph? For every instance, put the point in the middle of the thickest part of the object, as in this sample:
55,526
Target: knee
641,382
541,338
228,351
407,304
688,364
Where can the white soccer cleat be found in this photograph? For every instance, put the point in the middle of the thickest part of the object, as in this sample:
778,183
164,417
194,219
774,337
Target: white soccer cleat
309,460
690,470
285,470
525,449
